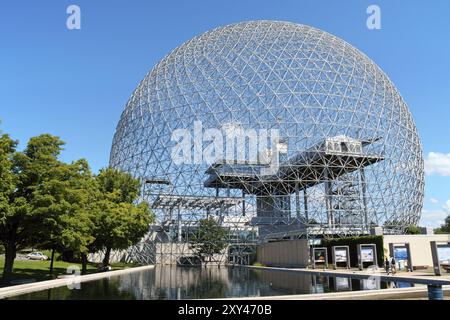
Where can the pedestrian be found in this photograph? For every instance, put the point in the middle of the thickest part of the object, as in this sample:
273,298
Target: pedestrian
386,265
393,266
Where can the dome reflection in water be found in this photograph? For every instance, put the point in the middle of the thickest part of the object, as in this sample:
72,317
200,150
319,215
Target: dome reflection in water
165,282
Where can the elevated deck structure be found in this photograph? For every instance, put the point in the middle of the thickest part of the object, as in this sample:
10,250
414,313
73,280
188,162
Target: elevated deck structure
304,170
273,184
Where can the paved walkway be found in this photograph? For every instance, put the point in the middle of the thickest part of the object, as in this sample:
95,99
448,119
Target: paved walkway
11,291
411,277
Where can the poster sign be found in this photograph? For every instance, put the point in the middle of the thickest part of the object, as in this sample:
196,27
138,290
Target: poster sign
367,255
319,255
401,256
444,254
400,253
340,255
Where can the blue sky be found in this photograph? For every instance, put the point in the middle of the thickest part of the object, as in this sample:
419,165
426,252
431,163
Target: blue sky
75,83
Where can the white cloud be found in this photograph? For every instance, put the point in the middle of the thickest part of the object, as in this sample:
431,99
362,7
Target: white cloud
446,206
437,163
435,218
434,201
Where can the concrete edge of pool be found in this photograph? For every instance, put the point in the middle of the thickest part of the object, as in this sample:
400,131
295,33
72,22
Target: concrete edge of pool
12,291
382,294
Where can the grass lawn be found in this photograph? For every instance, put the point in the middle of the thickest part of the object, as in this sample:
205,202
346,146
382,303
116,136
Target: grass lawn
40,270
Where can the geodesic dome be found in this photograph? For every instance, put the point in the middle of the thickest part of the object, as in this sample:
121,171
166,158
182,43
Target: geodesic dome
350,156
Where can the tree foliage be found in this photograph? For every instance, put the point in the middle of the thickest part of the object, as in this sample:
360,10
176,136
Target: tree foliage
47,203
7,183
412,229
209,239
67,203
28,172
120,221
445,228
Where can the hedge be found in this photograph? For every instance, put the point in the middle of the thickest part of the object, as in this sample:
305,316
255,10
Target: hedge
352,243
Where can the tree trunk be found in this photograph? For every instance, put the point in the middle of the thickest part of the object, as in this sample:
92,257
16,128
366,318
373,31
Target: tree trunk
10,255
52,260
84,262
107,255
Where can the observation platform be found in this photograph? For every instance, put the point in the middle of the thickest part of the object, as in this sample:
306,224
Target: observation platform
322,163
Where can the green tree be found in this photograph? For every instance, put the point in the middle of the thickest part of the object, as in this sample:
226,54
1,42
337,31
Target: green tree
49,204
445,228
8,213
209,239
29,170
121,221
412,229
118,186
67,202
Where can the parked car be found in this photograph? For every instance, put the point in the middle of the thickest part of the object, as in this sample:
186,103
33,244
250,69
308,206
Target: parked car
104,269
36,256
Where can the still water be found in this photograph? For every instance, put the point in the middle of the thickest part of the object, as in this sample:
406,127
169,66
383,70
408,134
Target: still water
166,282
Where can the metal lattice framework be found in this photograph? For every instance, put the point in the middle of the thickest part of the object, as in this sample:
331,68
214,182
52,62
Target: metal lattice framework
350,156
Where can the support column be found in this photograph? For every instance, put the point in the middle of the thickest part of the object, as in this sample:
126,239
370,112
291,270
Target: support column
391,250
305,202
179,224
363,187
328,199
435,292
297,200
410,263
435,256
243,203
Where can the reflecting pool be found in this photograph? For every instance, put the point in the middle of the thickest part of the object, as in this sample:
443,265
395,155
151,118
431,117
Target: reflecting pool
165,282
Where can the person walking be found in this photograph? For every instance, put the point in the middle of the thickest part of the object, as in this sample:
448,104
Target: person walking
393,266
386,265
